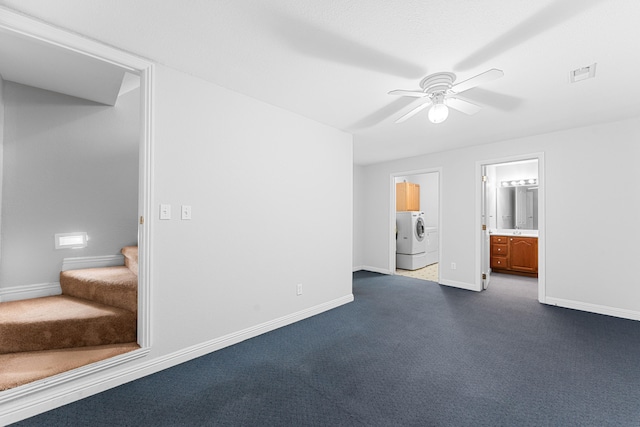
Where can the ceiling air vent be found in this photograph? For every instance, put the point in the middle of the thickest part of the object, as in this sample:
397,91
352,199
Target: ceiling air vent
583,73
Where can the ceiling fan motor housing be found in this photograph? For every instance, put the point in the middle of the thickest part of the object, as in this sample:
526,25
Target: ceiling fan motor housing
438,83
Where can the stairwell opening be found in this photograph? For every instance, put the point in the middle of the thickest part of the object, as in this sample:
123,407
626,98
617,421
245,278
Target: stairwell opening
98,193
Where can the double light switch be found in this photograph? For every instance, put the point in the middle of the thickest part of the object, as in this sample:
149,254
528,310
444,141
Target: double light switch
165,212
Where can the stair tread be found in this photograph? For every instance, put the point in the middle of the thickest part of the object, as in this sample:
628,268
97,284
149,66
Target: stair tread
116,286
21,368
62,321
131,258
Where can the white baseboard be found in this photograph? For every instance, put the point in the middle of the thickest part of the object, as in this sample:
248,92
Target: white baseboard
376,269
41,396
38,290
358,268
92,262
593,308
461,285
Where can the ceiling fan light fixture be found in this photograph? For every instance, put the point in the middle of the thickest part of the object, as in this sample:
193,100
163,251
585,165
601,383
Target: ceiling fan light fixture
439,112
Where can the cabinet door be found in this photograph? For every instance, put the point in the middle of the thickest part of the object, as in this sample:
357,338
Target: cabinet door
401,197
523,254
413,197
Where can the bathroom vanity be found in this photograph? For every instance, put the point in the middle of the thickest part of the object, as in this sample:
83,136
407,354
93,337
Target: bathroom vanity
514,252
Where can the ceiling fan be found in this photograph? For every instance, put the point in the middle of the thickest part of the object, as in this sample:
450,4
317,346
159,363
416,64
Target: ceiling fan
440,92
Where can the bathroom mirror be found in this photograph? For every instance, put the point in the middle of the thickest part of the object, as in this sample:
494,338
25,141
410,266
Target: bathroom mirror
517,207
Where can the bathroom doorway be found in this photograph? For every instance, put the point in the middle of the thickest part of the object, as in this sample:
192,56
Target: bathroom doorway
512,223
415,224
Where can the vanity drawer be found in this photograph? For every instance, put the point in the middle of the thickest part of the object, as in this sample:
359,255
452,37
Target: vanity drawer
498,262
499,239
498,249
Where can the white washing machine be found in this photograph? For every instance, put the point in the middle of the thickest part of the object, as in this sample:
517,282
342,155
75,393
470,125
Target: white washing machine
411,245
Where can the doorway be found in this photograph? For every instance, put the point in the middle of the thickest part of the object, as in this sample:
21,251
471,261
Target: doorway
60,44
415,224
511,213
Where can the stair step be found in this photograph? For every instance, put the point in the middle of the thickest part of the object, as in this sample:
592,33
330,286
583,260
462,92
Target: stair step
115,286
131,258
62,321
21,368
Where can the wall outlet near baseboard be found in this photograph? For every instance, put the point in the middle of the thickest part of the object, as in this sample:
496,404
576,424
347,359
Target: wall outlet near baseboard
299,289
453,266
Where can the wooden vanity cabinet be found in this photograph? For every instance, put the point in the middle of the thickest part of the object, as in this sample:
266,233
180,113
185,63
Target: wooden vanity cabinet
515,255
407,196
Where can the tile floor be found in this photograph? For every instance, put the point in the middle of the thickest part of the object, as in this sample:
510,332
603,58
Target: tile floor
429,272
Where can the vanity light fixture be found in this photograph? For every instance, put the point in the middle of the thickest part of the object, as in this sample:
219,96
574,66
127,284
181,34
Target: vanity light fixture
520,182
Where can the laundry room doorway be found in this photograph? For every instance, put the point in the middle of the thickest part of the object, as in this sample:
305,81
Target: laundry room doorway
415,224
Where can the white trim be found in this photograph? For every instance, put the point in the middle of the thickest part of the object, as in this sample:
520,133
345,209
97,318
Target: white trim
96,378
38,290
541,217
358,268
15,23
376,269
461,285
145,190
92,262
593,308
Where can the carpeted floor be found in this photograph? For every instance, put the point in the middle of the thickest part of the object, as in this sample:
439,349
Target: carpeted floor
405,352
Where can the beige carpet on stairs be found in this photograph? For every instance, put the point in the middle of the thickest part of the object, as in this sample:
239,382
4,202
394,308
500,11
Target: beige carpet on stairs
21,368
95,318
62,322
115,286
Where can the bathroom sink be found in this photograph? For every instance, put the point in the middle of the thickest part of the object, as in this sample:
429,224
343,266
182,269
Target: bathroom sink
510,232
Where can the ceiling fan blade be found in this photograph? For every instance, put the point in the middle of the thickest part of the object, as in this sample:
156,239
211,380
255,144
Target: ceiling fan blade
413,112
412,93
487,76
463,105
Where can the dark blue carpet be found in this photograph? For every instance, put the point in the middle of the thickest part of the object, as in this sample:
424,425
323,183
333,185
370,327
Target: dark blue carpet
406,352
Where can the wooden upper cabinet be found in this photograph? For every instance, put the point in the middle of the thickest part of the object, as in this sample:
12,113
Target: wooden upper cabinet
407,196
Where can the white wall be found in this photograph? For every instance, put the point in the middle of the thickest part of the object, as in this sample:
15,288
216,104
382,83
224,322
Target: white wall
271,197
1,153
271,194
69,165
358,239
584,221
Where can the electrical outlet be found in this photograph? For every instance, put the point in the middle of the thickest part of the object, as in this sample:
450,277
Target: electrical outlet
299,289
453,265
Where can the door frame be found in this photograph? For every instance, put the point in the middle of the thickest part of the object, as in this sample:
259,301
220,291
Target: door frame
392,213
60,39
539,156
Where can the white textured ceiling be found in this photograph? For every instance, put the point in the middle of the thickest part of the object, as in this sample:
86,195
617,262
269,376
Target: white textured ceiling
334,61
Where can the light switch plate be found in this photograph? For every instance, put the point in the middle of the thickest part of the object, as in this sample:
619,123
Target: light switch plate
165,211
186,211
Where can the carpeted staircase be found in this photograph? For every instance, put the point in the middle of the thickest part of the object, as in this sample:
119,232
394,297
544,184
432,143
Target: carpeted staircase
94,318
